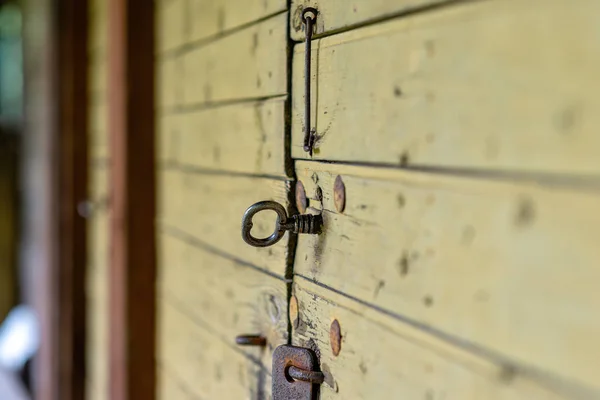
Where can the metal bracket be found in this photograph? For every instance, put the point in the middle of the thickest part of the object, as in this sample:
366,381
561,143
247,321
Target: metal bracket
296,374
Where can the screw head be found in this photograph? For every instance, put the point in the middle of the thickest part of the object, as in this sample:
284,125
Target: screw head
294,312
301,203
339,194
335,337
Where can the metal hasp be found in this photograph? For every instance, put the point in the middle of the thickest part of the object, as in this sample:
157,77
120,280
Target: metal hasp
296,374
300,223
309,16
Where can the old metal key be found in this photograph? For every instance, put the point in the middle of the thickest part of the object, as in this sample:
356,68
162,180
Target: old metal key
299,223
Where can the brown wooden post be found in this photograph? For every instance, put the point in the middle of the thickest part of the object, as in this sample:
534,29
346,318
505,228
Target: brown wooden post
73,178
132,200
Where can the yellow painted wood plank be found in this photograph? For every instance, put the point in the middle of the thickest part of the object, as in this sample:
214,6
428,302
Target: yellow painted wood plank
170,81
171,24
168,134
209,18
207,365
335,15
232,299
383,358
505,85
249,63
171,388
209,207
246,138
509,267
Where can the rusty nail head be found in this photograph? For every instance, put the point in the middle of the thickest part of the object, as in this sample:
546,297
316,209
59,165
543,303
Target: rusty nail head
335,337
251,340
301,203
294,312
339,194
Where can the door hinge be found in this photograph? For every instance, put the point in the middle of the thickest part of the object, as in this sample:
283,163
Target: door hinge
296,374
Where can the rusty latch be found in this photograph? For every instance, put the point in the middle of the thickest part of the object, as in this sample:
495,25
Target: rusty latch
296,374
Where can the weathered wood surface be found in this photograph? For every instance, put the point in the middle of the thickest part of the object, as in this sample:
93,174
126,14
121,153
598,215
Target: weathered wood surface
249,63
230,298
170,386
209,207
503,85
170,81
246,138
508,267
336,15
207,364
383,358
182,22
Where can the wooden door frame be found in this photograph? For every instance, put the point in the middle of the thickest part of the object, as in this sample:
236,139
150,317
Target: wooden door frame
132,271
54,163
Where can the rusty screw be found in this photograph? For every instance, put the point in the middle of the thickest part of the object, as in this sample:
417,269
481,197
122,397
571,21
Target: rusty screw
251,340
335,337
301,203
339,194
294,313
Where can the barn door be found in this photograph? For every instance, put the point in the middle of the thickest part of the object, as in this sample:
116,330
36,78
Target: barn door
450,162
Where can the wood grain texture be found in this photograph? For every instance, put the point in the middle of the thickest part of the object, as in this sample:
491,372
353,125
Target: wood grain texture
336,15
381,358
209,207
503,85
245,138
209,367
507,267
231,298
249,63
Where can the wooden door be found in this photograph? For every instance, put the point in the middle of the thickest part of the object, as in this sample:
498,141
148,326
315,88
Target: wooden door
461,136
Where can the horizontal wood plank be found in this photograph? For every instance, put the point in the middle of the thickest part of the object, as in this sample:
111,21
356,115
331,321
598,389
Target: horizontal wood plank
170,387
250,63
336,15
508,267
170,82
503,85
245,138
209,367
171,24
209,207
381,358
181,22
209,18
232,299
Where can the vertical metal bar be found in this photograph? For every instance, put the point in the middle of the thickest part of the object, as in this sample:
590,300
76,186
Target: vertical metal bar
309,15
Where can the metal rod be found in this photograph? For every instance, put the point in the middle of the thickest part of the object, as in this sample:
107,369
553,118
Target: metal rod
299,374
309,15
